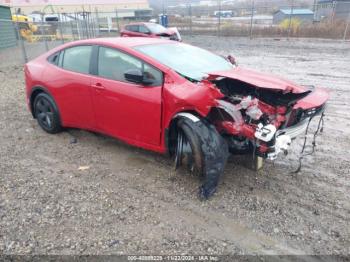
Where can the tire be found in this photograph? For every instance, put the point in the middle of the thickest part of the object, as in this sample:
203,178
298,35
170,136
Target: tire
209,152
46,113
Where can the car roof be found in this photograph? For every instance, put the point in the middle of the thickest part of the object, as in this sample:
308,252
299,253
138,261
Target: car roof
124,41
140,23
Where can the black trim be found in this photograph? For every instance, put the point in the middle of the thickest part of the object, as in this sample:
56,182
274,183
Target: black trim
60,61
94,60
166,141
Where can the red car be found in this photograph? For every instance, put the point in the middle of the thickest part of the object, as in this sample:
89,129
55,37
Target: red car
149,30
169,97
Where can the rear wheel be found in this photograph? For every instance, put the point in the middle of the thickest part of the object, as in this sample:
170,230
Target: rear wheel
46,113
201,149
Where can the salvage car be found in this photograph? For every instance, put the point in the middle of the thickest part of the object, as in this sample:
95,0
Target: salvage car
169,97
143,29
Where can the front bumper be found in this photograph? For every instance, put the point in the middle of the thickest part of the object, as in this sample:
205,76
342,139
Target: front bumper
295,130
284,136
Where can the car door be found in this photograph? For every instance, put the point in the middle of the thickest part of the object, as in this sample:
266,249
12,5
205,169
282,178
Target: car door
70,83
123,109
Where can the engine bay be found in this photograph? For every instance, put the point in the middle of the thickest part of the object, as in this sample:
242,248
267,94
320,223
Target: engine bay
256,120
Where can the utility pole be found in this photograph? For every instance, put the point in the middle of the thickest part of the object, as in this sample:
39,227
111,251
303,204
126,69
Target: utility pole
314,9
117,19
346,27
190,14
251,20
219,18
290,19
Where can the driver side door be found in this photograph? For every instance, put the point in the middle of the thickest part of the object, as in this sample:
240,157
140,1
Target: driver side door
129,111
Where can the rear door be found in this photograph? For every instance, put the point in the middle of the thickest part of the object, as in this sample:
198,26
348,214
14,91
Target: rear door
123,109
70,82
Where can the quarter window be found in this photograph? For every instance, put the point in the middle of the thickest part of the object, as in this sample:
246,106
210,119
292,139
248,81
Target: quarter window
53,59
77,59
151,73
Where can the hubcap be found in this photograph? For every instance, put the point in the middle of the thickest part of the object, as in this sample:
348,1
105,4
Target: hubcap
44,112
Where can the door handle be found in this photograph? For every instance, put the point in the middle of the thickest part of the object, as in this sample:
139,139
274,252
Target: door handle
99,86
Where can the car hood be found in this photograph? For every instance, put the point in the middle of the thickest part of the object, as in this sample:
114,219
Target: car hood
259,80
166,32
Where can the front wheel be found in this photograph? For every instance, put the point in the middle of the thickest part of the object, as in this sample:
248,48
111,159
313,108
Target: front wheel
46,113
202,150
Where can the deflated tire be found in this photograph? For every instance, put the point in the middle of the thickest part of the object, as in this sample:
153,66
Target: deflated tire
209,152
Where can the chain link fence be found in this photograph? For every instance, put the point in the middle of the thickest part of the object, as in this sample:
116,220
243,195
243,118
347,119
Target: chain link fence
327,20
35,36
31,37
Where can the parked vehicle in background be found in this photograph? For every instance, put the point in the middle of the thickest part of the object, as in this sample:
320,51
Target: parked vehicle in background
169,97
223,13
144,29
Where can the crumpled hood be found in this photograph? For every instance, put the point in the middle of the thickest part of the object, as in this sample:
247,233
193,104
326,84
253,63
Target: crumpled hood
260,80
167,32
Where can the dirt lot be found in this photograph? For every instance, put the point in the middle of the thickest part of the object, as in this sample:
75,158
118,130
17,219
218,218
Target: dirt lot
130,201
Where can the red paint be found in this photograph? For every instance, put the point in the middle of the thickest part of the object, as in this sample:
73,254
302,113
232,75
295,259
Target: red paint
137,114
117,101
260,80
317,98
229,127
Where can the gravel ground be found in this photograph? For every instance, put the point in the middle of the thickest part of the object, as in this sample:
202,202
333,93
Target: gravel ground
130,201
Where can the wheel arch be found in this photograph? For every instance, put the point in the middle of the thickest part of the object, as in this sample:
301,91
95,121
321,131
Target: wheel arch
34,93
171,129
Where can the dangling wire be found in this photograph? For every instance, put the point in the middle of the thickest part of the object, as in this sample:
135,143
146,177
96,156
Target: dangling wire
318,130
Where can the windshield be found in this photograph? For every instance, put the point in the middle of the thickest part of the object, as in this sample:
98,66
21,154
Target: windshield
189,61
156,28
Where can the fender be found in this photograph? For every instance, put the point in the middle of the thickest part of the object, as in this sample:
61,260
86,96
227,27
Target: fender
187,115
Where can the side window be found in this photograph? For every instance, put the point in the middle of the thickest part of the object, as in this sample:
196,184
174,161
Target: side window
143,29
77,59
133,28
113,64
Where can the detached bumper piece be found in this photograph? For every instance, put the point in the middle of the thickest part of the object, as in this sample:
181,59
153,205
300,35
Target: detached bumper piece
280,140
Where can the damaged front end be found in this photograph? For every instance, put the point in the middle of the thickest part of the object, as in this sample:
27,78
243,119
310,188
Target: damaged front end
261,114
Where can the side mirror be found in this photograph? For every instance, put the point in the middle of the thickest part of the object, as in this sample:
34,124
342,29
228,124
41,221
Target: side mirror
232,60
136,76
